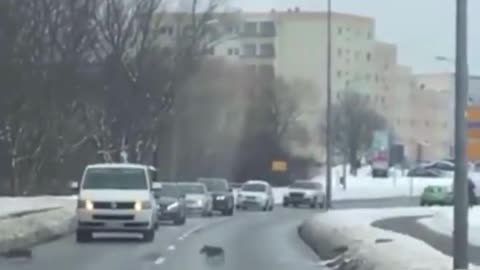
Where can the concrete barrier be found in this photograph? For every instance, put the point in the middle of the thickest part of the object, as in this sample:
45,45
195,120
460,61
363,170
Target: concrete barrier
24,231
362,247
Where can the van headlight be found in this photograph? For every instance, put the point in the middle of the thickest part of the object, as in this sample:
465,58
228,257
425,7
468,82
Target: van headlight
85,204
142,205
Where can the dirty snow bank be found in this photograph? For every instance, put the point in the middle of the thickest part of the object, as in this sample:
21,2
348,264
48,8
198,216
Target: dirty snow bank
329,234
19,204
24,231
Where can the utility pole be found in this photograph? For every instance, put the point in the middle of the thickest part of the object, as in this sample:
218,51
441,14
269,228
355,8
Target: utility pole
460,225
329,106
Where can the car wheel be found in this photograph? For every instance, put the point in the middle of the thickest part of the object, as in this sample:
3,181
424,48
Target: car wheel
228,212
422,203
313,204
83,236
149,235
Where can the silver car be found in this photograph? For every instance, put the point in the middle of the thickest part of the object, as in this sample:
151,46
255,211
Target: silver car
255,194
198,200
304,192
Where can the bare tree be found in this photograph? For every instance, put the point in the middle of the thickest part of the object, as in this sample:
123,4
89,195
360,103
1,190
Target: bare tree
354,123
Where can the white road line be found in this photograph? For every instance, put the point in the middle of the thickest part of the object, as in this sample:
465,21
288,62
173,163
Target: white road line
187,233
171,247
199,227
160,260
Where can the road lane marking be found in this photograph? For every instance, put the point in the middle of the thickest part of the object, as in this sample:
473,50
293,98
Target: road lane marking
171,247
160,260
200,227
189,232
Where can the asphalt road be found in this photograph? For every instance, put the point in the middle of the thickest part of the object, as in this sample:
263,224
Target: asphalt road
248,240
410,226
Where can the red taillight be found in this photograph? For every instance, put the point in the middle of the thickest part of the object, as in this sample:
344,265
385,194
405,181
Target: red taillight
381,155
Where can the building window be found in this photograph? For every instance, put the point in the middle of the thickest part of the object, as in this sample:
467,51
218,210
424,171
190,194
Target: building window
347,52
339,73
339,52
369,35
230,51
250,28
376,78
368,76
267,29
249,50
267,50
382,99
369,56
237,51
399,122
340,30
339,96
427,123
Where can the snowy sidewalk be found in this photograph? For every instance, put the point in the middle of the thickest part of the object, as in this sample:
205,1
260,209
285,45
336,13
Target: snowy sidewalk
442,222
376,248
410,226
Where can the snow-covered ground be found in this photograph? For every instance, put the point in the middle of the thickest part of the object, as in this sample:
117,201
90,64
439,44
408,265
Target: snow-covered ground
11,205
353,228
442,222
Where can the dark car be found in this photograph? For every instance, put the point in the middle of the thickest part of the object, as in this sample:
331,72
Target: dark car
424,172
222,195
441,165
171,204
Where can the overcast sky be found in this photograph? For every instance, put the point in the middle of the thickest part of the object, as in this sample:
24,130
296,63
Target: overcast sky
422,29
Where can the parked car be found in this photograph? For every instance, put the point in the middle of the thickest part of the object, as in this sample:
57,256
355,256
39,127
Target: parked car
424,172
255,194
116,198
442,165
222,195
435,195
198,199
171,203
305,192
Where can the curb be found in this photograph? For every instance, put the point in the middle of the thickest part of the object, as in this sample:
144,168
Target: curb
334,251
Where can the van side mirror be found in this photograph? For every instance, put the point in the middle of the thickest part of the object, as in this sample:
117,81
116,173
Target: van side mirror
74,187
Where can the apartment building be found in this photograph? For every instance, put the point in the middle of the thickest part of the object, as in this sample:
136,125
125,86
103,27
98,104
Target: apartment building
292,44
435,97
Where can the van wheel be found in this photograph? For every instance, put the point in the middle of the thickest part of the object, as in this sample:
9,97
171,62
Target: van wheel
83,236
149,236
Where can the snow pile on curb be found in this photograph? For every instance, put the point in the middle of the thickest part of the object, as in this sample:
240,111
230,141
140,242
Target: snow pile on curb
19,204
349,232
28,230
442,222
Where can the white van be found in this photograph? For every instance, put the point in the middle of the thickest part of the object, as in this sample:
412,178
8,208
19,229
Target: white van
116,198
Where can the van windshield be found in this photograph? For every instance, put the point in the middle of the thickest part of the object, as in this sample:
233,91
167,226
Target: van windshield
115,178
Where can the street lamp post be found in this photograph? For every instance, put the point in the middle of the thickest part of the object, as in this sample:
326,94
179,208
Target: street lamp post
329,107
460,225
